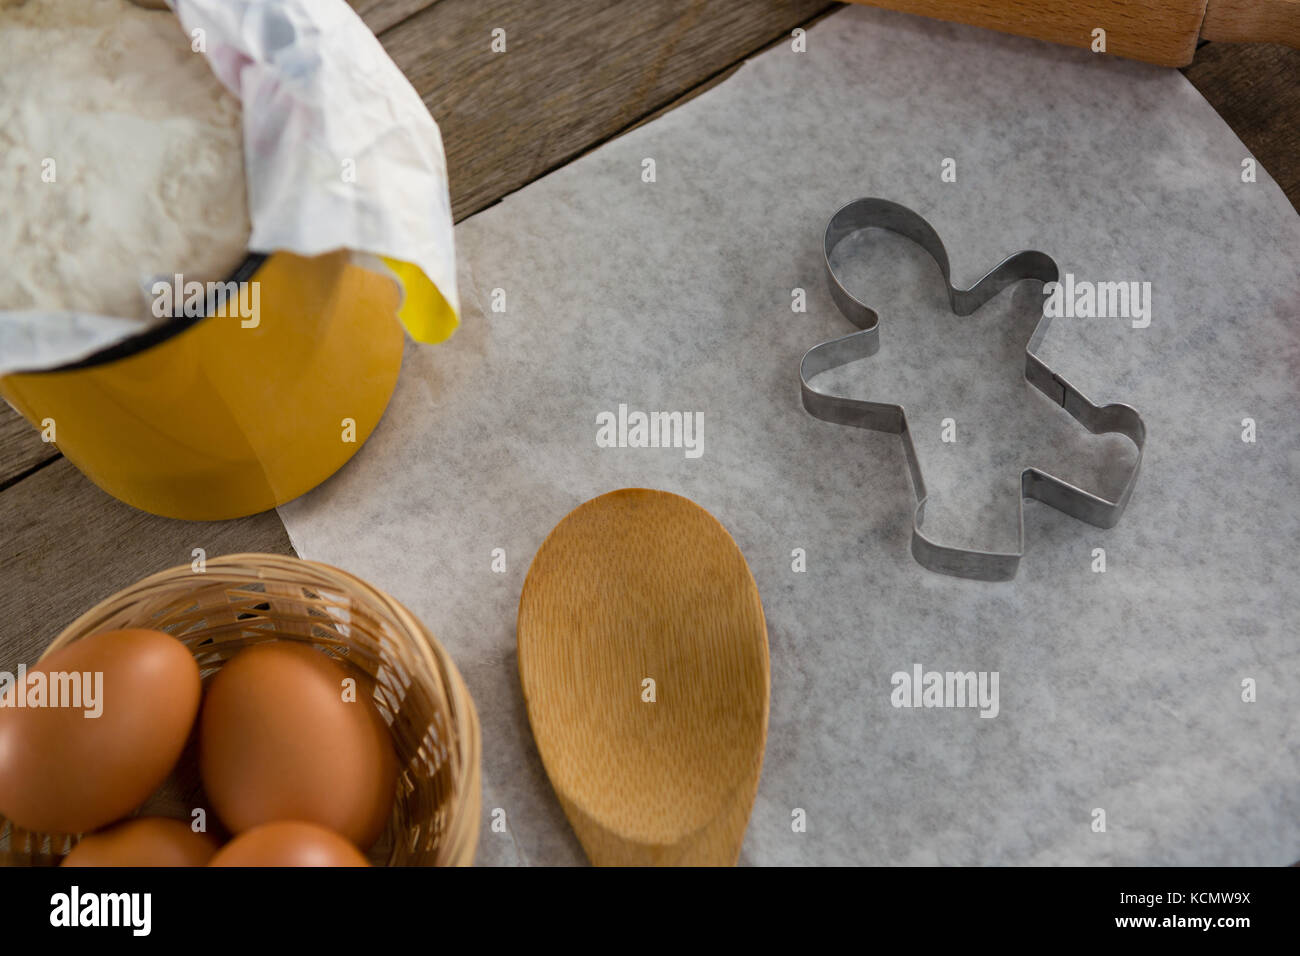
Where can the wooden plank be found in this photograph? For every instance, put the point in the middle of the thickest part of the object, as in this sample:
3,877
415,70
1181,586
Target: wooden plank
21,448
722,76
1255,90
67,545
382,14
572,75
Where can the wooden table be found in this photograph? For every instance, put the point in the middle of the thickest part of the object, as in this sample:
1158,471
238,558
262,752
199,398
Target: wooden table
575,74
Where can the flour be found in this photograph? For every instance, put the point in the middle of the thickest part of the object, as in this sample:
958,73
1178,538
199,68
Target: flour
141,144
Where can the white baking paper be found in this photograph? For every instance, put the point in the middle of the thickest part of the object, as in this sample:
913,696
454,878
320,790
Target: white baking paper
1147,674
339,153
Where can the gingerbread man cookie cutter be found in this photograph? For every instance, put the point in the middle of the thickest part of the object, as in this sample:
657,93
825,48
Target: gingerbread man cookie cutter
878,416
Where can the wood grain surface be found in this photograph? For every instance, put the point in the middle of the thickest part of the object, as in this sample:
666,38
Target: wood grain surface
1256,89
21,448
1164,32
644,663
67,545
576,72
380,15
572,75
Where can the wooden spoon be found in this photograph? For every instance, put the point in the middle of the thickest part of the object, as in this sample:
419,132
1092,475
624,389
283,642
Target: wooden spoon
643,658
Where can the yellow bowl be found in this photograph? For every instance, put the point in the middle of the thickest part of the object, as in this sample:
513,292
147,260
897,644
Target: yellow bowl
216,417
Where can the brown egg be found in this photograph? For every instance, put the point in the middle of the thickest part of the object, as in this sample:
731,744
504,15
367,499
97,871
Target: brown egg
279,741
147,841
64,770
288,843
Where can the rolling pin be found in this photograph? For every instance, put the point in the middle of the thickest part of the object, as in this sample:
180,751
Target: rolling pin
1158,31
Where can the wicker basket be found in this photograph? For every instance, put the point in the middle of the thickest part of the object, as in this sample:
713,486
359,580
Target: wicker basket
245,599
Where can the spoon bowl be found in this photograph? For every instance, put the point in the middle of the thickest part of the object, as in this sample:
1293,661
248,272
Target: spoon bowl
644,662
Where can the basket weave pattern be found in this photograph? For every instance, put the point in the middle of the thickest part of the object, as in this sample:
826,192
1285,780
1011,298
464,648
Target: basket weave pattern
245,599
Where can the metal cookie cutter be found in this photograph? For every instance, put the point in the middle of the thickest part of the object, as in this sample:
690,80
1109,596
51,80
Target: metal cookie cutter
1098,419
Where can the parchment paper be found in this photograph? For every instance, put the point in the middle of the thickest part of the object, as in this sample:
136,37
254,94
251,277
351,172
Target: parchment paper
1120,690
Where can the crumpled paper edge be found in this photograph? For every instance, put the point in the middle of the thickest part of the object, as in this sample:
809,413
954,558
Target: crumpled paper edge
284,57
324,102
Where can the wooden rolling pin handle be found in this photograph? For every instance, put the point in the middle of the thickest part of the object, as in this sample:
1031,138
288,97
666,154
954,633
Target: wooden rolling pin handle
1157,31
1253,21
